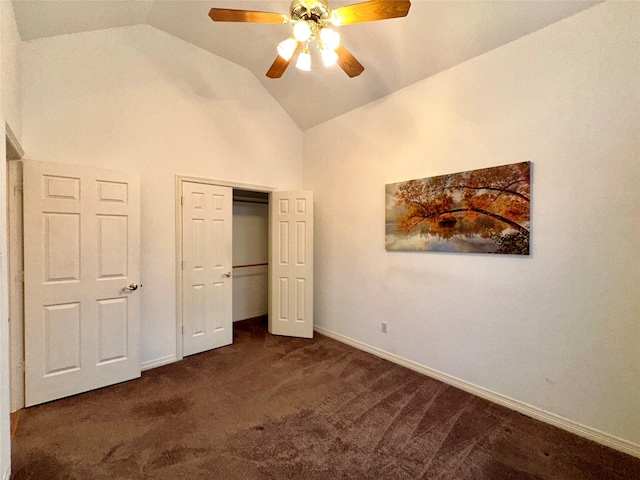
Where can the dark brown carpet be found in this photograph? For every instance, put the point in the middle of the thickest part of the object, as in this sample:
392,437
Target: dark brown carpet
280,408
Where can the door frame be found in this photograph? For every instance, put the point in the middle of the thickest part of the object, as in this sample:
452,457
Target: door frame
14,156
180,179
16,282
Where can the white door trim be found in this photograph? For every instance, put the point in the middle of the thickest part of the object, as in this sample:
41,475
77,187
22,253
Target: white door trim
14,149
16,282
180,179
14,156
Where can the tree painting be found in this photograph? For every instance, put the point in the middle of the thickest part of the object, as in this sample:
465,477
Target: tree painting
482,211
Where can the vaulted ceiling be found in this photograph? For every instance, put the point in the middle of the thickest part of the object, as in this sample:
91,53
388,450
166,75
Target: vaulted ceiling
435,36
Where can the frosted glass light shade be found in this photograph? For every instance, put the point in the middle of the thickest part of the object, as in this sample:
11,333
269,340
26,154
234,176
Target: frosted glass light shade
335,19
287,47
329,57
330,38
302,31
304,61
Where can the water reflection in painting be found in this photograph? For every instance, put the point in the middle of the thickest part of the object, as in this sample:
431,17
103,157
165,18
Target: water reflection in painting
481,211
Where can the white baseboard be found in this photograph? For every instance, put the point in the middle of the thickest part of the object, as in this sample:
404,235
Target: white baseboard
158,362
526,409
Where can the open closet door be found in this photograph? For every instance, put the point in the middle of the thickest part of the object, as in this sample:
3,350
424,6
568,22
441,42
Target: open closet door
291,264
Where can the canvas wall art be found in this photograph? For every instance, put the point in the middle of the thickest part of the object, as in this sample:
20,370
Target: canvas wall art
479,211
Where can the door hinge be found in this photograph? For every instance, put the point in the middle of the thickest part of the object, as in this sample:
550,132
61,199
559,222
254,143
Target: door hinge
17,189
182,264
19,277
181,200
183,329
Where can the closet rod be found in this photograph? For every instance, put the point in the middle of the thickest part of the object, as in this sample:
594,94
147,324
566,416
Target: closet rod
252,265
250,201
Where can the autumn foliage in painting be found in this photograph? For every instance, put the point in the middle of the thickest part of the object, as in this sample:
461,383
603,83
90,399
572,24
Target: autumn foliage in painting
492,203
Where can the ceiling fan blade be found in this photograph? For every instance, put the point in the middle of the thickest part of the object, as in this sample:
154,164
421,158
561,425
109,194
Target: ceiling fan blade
231,15
370,11
348,62
280,64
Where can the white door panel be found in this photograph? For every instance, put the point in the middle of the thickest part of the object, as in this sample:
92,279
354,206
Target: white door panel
82,246
291,264
207,256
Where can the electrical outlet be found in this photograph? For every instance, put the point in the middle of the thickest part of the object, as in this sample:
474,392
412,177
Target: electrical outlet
383,326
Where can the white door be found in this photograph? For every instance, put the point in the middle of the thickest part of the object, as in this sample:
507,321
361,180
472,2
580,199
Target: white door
291,264
81,249
207,293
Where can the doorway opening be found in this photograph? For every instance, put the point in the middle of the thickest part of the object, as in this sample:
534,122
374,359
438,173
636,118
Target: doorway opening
250,254
282,221
247,239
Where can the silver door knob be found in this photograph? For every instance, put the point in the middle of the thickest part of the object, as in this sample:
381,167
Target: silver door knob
228,274
132,287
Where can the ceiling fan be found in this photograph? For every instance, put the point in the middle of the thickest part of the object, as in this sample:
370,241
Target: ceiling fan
311,21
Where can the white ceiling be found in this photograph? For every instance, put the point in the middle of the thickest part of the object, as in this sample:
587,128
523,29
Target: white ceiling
436,35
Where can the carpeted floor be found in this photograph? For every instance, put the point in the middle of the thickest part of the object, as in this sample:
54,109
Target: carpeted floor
281,408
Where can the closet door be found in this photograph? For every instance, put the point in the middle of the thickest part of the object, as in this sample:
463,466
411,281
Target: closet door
291,264
207,255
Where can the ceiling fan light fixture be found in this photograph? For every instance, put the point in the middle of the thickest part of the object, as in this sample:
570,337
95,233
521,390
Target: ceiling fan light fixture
330,38
329,57
335,19
287,47
304,61
311,20
302,31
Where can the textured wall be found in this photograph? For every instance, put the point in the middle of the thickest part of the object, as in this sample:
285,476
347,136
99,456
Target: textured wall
138,99
557,329
9,112
10,70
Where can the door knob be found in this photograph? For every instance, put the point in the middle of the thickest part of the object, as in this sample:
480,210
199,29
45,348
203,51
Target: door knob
228,274
132,287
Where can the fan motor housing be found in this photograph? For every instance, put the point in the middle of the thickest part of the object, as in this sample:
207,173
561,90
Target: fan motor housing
317,11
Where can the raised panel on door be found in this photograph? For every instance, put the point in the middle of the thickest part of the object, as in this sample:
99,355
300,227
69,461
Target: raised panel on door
218,315
61,242
83,248
301,300
113,232
291,264
60,187
206,267
195,311
283,297
197,243
62,342
113,325
116,192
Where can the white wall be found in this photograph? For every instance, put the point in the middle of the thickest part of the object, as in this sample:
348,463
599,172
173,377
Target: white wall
138,99
559,329
10,69
250,247
9,112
